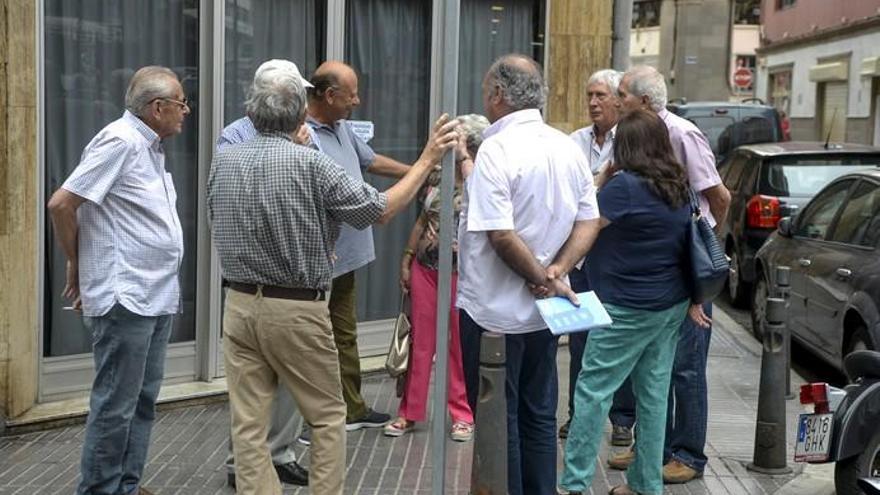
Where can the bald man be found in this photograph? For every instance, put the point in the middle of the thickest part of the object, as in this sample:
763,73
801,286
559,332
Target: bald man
331,102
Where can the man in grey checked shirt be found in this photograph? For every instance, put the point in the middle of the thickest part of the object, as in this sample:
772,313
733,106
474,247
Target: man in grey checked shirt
282,430
116,220
275,209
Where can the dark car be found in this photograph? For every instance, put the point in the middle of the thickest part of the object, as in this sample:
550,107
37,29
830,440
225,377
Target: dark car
770,181
728,125
831,248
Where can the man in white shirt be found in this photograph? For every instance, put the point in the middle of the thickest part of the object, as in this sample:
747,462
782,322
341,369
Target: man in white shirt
116,220
529,202
597,142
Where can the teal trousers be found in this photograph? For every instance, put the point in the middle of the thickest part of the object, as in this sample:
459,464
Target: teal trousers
641,345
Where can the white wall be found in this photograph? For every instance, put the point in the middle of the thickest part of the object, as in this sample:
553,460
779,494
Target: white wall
803,91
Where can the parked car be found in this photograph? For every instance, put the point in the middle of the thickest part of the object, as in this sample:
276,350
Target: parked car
831,248
768,182
729,125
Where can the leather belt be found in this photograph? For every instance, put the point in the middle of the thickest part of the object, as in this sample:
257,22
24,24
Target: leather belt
276,292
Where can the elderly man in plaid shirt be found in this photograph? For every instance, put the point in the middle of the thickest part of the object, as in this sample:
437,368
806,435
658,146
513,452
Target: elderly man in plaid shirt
275,208
116,220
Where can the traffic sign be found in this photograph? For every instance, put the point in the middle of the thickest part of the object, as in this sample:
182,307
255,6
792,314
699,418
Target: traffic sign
742,77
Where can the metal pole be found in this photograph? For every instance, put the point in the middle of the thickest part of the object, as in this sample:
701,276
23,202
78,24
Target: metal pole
783,291
770,453
623,14
448,104
489,466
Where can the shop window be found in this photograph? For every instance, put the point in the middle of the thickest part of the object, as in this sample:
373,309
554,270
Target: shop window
91,51
784,4
259,30
780,91
646,13
489,29
747,12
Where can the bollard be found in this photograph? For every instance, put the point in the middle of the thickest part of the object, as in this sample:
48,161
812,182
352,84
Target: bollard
770,454
783,291
489,470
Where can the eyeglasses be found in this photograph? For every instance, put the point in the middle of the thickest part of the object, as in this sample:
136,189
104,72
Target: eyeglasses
184,103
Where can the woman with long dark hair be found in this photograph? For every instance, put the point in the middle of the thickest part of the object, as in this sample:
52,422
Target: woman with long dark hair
637,268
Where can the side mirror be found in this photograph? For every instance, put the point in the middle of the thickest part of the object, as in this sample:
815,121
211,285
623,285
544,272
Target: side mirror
785,227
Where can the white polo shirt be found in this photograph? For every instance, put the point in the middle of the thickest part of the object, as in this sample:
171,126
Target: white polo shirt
529,178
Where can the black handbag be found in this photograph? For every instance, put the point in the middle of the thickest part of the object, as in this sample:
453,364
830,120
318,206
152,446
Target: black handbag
709,267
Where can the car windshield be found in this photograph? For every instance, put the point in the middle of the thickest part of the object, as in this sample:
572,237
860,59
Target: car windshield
804,176
713,127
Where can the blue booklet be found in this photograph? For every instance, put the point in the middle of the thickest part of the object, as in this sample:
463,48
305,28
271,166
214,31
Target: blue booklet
564,317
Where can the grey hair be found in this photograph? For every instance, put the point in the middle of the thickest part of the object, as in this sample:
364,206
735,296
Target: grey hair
148,84
609,77
473,125
521,87
277,101
645,80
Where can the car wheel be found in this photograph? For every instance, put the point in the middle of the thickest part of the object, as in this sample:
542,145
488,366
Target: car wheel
858,341
865,465
759,306
737,288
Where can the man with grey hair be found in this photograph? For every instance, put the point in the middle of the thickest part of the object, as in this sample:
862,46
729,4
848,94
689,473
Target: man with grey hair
597,142
529,202
684,459
283,426
275,208
116,220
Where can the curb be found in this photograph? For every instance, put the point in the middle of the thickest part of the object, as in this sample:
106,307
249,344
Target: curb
815,479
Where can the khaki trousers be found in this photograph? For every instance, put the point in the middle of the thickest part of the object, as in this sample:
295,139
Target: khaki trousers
267,341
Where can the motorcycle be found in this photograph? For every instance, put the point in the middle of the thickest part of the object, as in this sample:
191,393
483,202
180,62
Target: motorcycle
843,427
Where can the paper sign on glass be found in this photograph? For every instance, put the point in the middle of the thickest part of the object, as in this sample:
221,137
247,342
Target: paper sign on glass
561,316
363,128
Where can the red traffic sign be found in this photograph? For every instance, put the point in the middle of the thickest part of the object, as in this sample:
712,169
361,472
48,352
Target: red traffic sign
742,77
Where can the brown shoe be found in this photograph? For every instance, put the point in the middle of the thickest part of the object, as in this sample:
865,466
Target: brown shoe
622,490
674,472
622,460
144,491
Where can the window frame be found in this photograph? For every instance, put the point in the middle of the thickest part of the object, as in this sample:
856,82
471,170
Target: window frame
812,206
833,228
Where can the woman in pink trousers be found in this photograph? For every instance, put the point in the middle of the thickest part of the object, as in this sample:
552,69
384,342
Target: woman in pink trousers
418,277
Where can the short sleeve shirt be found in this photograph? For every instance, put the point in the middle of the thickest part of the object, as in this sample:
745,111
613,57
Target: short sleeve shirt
638,261
596,155
130,238
354,248
534,180
692,150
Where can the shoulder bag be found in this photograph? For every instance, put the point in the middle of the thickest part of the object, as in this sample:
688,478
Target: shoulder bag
398,352
709,267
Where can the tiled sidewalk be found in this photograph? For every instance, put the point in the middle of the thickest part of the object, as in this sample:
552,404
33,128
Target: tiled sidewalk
189,444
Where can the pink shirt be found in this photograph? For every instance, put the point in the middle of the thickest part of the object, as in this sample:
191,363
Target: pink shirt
692,149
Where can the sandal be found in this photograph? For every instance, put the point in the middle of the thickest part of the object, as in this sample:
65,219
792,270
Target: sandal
622,490
399,427
461,431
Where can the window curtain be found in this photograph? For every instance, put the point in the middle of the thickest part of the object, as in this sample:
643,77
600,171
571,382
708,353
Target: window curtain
92,50
259,30
489,29
388,42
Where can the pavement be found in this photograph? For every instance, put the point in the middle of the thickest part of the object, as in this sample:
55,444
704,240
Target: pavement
189,443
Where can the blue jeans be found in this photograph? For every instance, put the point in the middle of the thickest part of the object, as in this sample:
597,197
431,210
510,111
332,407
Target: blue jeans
532,388
688,397
623,409
129,353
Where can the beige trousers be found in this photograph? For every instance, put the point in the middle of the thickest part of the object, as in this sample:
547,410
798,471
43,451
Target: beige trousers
268,340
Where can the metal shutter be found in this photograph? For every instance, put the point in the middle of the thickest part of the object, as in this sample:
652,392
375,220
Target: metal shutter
834,111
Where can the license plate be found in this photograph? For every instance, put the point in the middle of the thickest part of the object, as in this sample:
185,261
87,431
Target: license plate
813,438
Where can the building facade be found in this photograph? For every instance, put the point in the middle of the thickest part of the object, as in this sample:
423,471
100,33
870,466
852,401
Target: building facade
701,46
65,69
819,63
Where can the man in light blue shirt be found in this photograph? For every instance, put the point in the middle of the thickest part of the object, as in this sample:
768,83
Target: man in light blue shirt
331,100
116,220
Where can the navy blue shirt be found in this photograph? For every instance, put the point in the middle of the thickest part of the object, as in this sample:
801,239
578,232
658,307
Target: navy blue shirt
638,260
